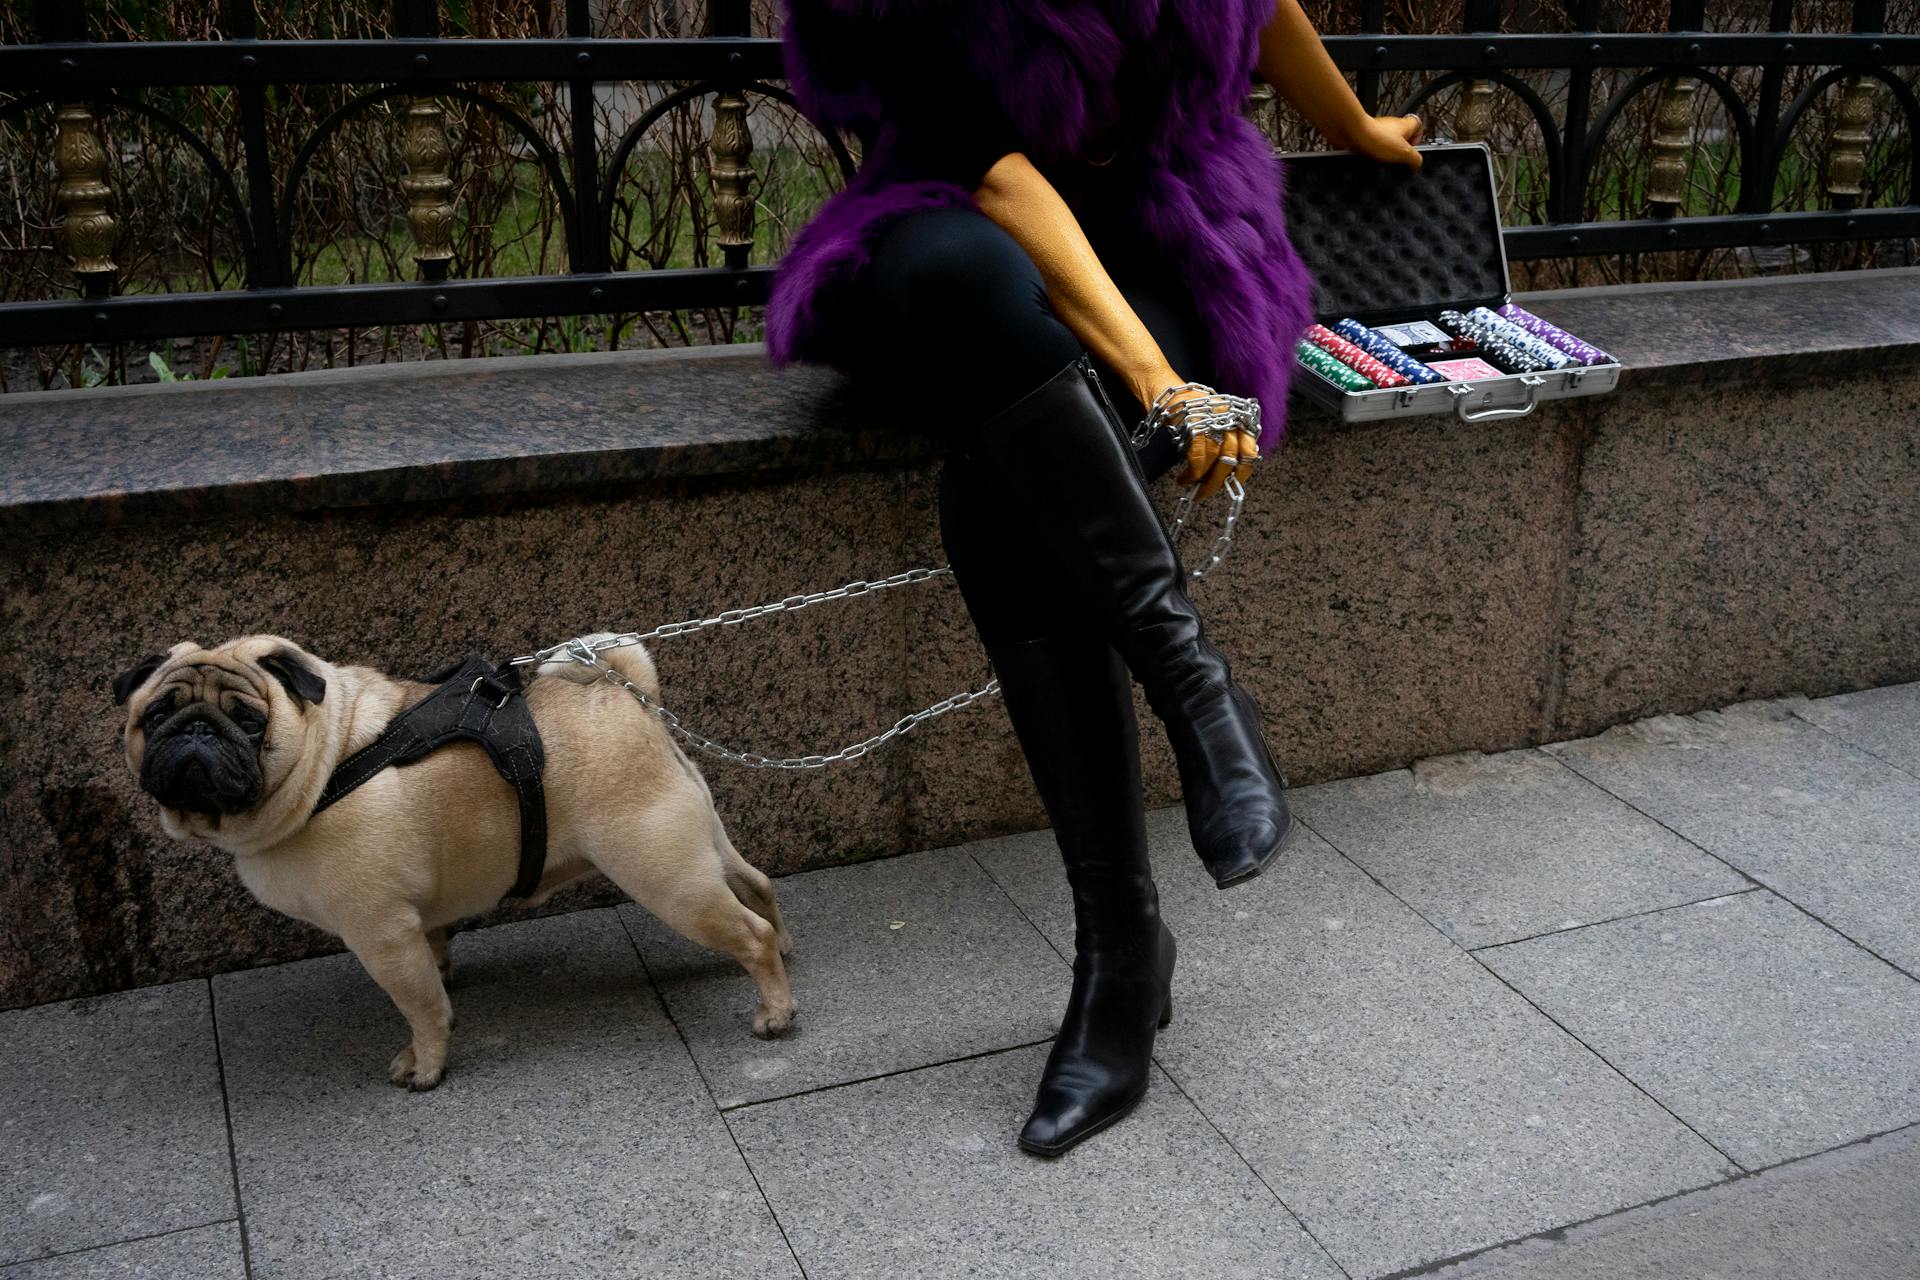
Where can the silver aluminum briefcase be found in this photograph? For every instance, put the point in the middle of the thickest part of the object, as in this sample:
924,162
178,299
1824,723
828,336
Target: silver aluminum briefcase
1388,246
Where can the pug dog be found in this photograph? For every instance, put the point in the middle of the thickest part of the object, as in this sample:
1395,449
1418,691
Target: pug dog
236,743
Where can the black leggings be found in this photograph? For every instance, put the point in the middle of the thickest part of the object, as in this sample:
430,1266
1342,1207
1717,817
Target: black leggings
953,326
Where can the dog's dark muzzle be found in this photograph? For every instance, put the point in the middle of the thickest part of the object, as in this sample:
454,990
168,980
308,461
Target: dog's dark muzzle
200,762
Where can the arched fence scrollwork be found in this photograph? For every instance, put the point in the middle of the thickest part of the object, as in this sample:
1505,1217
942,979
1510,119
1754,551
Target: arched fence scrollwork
421,71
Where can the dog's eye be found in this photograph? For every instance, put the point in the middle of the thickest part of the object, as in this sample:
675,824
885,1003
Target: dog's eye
250,721
156,713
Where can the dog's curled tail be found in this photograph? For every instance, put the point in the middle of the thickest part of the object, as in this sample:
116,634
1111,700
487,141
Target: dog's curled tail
632,661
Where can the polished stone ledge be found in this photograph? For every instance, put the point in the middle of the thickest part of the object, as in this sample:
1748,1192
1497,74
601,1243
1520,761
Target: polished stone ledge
440,430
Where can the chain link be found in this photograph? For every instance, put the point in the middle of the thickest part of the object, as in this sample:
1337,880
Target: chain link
753,759
587,653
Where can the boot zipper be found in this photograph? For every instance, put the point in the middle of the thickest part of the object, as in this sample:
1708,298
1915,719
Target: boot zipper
1113,417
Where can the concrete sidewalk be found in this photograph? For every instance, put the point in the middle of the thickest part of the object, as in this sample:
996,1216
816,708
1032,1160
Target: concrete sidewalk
1640,1005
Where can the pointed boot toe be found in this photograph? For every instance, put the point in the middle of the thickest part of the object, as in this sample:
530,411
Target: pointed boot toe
1062,1117
1248,851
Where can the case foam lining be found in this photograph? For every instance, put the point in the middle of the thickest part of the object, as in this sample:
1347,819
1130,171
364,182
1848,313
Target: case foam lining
1385,243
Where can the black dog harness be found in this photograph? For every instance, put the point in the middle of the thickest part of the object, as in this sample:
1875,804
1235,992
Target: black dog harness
478,702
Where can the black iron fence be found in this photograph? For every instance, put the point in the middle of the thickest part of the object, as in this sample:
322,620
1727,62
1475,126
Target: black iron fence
77,78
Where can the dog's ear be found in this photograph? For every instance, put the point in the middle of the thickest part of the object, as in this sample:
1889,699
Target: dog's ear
300,680
134,676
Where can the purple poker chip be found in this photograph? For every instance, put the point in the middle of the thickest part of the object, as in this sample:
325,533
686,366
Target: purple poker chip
1554,336
1385,352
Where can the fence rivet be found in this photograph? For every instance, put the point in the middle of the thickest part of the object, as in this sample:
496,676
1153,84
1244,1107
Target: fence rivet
421,62
275,311
1873,51
1595,50
742,284
596,294
1573,242
69,66
735,58
439,302
1492,52
249,62
1787,47
1766,228
99,319
1379,51
1693,51
1673,233
583,59
1852,223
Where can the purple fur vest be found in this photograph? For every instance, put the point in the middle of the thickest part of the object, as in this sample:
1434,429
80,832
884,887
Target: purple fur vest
1203,182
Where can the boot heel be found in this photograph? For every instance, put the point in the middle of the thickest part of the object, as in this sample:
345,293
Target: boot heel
1166,1014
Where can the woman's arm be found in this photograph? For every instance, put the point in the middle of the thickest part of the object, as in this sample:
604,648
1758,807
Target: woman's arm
1297,65
1018,197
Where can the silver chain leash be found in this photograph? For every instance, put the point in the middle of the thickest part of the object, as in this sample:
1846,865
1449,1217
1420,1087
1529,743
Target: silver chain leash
587,653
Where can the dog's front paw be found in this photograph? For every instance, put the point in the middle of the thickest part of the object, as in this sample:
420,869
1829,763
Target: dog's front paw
770,1022
405,1072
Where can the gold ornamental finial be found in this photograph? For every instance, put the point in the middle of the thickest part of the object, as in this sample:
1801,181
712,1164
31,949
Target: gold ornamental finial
1473,119
87,225
728,159
1847,162
427,154
1672,140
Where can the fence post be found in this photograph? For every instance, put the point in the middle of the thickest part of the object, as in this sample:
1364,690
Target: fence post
87,225
1473,118
587,248
730,149
1673,124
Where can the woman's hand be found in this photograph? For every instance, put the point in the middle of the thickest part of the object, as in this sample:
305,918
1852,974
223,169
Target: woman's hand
1297,65
1391,139
1209,463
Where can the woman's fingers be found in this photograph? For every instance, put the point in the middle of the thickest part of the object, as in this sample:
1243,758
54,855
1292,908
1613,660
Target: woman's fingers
1210,464
1233,459
1200,456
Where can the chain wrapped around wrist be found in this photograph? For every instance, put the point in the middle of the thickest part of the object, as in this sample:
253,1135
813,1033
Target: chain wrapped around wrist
1213,414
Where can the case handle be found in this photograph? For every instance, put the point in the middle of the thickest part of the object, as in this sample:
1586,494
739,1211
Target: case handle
1532,382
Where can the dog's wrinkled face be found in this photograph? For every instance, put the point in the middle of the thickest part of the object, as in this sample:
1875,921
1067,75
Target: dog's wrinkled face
212,733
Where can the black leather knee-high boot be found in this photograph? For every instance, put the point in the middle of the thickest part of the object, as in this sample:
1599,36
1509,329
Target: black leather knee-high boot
1060,458
1071,703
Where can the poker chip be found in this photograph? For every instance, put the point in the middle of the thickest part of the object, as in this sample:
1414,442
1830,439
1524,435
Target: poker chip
1495,347
1580,352
1548,356
1324,364
1385,352
1354,358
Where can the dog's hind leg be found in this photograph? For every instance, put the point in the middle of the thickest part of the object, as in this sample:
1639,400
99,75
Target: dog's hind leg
401,959
753,887
676,870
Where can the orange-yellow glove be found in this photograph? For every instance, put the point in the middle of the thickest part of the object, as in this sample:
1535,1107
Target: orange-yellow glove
1019,197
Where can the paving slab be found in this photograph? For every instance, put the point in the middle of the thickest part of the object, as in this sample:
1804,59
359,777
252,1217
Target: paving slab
1392,1092
112,1125
1494,848
1885,722
1771,1034
1813,818
202,1253
572,1136
898,963
1852,1214
917,1175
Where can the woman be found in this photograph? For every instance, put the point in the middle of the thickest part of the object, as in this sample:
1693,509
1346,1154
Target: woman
1061,209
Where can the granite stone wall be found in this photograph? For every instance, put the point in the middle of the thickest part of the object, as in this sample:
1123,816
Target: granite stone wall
1396,591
